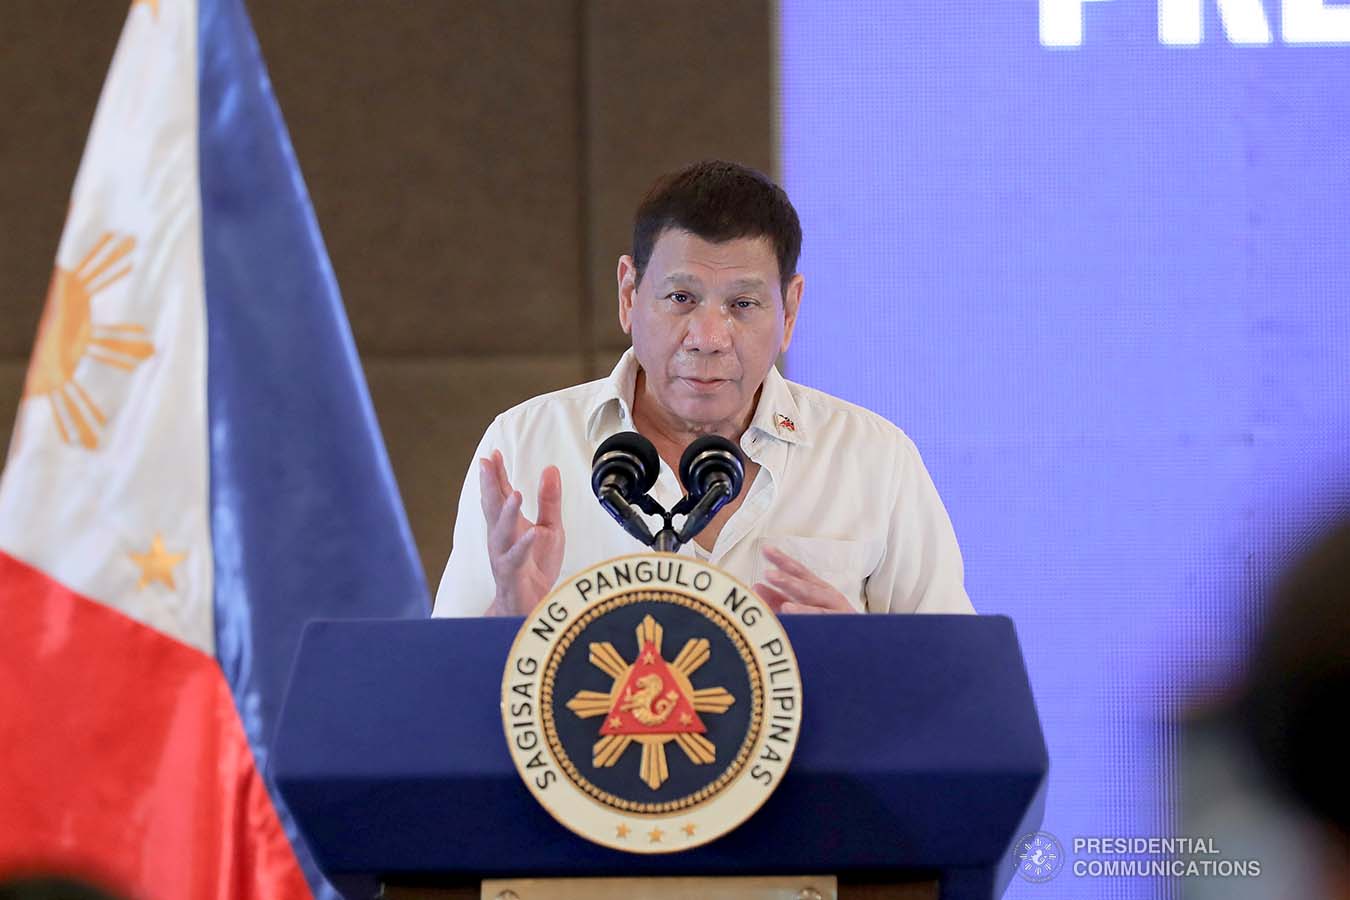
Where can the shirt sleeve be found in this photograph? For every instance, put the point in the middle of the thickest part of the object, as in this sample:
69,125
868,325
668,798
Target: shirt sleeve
467,586
921,569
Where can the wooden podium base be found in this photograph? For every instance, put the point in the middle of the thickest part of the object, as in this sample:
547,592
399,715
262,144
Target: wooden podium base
777,887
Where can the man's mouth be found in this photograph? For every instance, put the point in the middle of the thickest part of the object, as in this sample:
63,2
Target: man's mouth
703,384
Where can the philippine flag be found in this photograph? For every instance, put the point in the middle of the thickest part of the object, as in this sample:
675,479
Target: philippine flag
196,471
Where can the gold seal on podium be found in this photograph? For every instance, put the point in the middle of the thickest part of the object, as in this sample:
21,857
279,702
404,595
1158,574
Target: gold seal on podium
651,703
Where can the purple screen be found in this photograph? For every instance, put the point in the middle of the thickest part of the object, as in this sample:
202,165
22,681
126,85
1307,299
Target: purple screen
1094,257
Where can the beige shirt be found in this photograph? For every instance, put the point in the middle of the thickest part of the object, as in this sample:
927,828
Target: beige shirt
841,489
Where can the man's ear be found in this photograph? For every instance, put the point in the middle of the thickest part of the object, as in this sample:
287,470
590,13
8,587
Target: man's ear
792,304
627,277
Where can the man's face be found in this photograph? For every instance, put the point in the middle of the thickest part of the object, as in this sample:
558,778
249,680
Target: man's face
707,322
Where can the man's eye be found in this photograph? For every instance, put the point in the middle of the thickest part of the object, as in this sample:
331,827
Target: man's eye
745,304
680,297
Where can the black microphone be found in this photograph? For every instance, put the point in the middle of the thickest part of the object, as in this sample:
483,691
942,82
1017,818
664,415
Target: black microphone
623,470
710,461
712,471
626,462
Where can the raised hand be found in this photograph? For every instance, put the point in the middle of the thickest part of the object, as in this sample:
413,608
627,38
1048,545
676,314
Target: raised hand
525,556
793,588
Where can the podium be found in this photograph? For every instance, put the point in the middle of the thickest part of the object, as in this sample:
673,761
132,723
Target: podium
920,762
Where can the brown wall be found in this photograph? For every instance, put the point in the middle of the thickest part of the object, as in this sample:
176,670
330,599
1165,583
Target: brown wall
473,165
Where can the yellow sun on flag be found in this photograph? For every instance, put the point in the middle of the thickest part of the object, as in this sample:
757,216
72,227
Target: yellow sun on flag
67,334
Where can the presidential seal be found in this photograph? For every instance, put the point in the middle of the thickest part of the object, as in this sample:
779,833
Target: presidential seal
651,703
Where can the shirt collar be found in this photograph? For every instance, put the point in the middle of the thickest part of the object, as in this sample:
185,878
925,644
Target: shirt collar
611,408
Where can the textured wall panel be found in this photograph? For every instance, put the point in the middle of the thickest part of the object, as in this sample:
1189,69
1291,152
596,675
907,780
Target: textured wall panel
51,70
439,142
433,413
11,388
667,84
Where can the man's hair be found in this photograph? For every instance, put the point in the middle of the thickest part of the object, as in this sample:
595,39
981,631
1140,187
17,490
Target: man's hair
718,201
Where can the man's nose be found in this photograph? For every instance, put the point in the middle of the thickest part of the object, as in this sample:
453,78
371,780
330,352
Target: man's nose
709,330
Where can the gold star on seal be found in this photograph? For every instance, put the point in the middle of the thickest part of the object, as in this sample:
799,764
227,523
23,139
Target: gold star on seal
689,829
157,563
622,831
655,835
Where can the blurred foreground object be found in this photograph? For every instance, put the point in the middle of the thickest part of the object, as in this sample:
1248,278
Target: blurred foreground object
1298,693
195,472
51,887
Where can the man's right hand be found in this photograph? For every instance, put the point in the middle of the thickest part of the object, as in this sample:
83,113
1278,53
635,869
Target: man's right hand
526,556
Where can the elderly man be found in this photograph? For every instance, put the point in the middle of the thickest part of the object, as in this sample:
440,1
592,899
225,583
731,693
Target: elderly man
837,513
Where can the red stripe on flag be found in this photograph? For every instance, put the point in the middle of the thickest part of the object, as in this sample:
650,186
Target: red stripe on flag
122,756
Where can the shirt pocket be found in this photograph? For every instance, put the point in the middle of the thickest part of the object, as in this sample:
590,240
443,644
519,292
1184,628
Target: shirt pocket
840,563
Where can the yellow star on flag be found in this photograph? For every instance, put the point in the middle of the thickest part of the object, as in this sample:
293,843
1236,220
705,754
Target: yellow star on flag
157,563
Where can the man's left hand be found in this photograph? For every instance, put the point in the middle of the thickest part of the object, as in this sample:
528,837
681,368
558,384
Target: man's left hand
793,588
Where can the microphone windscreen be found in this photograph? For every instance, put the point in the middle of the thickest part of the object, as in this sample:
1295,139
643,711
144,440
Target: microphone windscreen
641,449
712,452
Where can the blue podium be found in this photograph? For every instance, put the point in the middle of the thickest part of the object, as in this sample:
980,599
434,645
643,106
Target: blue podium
921,758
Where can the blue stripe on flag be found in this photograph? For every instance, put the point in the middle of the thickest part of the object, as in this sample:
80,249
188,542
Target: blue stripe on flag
306,518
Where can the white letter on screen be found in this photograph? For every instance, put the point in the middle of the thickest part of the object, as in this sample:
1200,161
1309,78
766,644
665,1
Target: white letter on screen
1181,23
1313,22
1062,23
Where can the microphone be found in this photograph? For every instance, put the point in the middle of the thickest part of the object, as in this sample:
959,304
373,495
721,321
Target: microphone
626,462
712,471
623,470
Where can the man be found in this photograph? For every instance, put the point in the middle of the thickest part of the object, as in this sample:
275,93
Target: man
837,513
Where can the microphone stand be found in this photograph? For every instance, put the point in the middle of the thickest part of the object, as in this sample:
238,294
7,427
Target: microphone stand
713,499
665,540
696,516
614,504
